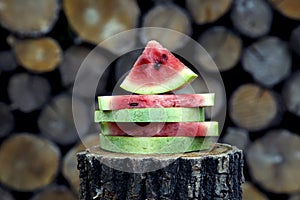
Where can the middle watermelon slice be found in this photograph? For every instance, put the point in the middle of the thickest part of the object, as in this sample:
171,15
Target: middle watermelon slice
151,115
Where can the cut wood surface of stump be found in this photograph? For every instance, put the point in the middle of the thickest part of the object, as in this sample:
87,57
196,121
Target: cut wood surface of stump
216,174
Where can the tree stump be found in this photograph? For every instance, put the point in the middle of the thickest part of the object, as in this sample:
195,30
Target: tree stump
69,162
216,174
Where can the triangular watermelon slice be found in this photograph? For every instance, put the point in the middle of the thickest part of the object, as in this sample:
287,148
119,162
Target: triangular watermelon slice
157,71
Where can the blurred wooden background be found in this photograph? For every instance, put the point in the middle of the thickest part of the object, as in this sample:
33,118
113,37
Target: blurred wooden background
255,44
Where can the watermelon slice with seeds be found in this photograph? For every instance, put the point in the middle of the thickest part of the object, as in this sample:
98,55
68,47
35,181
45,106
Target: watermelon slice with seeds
155,101
158,129
157,71
151,115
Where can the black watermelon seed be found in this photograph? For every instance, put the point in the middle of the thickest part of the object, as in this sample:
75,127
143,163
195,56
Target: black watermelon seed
134,104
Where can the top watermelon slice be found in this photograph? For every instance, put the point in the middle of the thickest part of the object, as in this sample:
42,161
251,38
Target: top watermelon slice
157,71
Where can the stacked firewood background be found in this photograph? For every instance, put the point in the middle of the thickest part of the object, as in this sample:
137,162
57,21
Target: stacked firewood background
255,44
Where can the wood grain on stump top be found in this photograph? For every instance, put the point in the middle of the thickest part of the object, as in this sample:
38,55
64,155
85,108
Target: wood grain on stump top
215,174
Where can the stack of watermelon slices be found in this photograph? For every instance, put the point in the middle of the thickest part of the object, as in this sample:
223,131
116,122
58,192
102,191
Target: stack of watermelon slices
154,119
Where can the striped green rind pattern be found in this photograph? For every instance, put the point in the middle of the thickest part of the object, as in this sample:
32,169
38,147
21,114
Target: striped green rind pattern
154,145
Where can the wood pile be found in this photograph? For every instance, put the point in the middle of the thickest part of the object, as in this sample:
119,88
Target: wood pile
255,44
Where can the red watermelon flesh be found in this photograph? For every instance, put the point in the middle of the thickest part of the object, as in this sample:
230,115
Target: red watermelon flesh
155,101
157,71
157,129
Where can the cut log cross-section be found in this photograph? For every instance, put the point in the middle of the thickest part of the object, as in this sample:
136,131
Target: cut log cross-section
253,18
208,11
268,61
28,92
223,46
291,94
29,17
254,108
56,120
37,55
171,17
288,8
28,162
95,21
199,175
274,160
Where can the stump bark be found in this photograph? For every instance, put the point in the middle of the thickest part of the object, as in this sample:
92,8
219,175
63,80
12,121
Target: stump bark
216,174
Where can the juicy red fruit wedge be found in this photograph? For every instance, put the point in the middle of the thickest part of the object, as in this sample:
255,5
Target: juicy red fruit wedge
157,71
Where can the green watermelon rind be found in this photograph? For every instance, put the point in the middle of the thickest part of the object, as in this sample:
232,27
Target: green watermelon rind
105,102
212,129
151,115
154,145
182,78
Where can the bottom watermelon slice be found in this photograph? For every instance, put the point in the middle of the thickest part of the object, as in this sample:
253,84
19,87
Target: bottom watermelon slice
154,145
191,129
